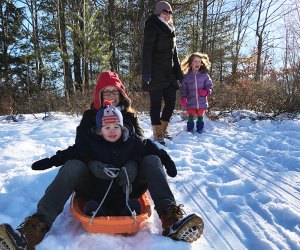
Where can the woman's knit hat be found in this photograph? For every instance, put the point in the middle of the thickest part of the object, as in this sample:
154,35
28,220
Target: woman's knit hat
160,6
108,78
108,114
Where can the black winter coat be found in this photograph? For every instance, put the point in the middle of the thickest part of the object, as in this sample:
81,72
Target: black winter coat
88,121
160,58
93,147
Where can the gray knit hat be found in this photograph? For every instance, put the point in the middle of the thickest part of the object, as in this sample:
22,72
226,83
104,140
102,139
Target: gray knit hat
160,6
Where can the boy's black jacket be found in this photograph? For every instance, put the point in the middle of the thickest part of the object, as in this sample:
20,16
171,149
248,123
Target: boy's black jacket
87,148
92,146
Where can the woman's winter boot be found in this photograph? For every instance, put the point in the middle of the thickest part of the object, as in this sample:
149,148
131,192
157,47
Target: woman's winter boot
30,233
178,227
157,134
164,128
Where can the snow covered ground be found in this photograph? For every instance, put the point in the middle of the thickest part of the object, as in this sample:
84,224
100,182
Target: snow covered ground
242,176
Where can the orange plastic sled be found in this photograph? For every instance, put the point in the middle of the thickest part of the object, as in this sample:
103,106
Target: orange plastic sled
110,224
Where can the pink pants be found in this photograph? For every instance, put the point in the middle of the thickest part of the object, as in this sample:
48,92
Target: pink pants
195,112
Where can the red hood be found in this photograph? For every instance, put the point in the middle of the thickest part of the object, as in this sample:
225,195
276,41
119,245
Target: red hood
105,79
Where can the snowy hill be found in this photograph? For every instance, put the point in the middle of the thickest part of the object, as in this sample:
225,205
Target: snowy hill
241,175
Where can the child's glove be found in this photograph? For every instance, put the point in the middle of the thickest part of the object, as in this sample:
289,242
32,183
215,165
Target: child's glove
168,163
203,92
42,164
130,168
102,170
183,102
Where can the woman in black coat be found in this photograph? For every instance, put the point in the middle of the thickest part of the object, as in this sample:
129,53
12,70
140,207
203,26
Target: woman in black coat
161,68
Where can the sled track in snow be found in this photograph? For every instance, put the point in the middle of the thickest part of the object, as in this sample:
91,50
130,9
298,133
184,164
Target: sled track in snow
267,180
213,222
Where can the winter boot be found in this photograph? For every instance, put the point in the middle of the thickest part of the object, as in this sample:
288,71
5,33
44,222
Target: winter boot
91,206
190,126
28,234
134,205
177,227
157,134
164,128
200,126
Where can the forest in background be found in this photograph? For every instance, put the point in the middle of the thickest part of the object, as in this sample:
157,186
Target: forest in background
51,51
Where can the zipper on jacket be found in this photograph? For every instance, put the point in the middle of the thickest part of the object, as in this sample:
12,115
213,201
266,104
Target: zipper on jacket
196,87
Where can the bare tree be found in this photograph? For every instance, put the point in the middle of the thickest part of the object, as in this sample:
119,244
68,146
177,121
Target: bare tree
291,72
244,10
206,5
269,11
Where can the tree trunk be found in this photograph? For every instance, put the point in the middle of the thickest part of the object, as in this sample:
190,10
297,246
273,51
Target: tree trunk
258,69
112,34
77,7
4,45
204,26
63,50
85,64
39,65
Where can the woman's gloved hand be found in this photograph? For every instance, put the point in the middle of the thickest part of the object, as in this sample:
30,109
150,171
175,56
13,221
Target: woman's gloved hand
168,163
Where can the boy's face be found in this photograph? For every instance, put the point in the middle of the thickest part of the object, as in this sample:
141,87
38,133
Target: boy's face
196,64
111,132
112,94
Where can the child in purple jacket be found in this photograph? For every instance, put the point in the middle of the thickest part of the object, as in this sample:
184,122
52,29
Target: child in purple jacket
195,87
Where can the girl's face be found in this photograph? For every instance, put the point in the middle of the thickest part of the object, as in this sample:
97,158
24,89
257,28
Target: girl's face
111,132
196,64
166,15
112,94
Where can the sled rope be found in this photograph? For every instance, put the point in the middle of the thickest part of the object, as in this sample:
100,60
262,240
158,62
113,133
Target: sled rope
95,212
113,173
128,189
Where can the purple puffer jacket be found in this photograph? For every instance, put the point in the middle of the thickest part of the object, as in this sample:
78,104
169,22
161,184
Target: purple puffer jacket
189,89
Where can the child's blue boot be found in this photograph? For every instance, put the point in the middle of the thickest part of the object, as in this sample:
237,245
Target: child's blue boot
199,126
190,126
